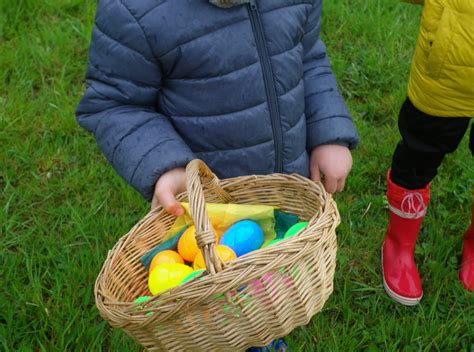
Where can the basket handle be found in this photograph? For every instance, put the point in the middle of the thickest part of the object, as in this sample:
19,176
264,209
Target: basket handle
198,176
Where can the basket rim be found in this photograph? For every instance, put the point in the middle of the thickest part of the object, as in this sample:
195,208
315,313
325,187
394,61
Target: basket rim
162,302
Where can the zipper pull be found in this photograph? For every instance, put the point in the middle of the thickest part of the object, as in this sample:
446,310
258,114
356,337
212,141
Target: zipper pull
253,5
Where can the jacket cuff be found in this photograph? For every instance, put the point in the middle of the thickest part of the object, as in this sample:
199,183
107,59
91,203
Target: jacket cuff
168,156
332,130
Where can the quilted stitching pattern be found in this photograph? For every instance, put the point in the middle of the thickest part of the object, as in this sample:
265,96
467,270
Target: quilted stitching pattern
168,81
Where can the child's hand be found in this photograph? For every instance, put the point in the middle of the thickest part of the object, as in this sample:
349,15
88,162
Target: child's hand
168,186
333,162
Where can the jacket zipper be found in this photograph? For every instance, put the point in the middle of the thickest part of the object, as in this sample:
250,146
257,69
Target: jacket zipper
270,88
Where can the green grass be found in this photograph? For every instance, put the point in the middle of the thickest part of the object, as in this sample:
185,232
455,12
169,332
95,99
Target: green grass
62,206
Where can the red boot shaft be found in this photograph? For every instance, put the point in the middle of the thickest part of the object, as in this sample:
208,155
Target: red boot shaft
466,274
407,210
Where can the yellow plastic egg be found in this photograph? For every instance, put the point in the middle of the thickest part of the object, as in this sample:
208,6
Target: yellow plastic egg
167,275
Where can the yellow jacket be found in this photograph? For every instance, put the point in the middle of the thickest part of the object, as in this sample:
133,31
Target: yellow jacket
442,73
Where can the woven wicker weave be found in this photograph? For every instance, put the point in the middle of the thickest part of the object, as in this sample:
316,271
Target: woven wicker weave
247,302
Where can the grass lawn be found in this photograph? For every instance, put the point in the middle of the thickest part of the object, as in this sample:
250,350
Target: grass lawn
62,207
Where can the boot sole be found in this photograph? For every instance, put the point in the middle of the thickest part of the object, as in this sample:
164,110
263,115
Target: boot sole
406,301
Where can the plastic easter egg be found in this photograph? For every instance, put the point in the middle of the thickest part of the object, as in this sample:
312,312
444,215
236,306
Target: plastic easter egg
187,245
293,230
225,253
142,299
258,285
272,242
166,256
243,237
192,276
271,283
166,276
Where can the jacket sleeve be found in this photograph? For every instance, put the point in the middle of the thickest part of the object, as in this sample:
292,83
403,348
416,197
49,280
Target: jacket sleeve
328,120
119,104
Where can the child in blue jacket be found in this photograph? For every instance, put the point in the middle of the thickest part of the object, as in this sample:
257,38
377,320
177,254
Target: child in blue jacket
244,85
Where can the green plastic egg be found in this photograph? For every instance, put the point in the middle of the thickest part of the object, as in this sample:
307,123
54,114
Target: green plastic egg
293,230
192,276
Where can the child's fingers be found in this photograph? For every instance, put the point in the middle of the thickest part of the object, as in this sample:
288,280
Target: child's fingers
168,201
315,174
168,185
176,209
340,184
330,183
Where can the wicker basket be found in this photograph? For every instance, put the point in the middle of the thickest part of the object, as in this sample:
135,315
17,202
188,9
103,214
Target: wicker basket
250,301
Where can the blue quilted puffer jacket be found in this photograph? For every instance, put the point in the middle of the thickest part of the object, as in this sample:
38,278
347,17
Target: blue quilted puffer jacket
248,89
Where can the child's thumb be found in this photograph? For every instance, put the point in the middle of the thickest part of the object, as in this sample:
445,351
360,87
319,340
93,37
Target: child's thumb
168,201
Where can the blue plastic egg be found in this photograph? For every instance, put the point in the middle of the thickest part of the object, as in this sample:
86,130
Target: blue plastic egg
243,237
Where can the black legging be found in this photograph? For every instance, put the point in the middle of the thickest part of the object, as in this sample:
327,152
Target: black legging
425,141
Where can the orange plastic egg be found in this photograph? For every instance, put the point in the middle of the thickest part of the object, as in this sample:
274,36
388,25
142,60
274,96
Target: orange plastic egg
166,256
225,253
187,245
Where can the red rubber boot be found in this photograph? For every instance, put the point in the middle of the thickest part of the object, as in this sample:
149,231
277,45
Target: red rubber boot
466,274
407,210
